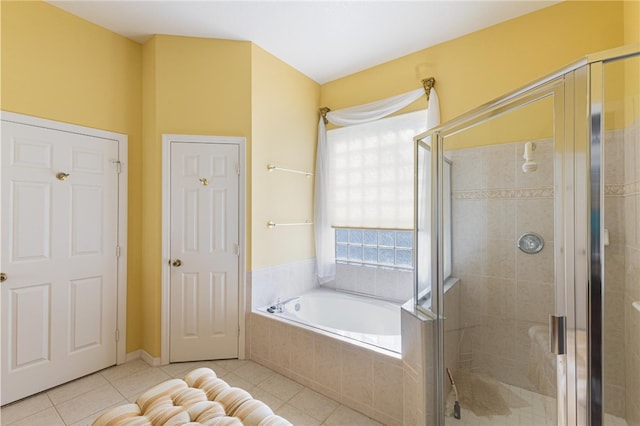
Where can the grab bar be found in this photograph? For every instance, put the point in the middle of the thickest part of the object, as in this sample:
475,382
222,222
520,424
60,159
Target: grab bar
272,224
272,167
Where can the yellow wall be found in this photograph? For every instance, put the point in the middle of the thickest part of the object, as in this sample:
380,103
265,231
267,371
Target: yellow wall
191,86
482,66
60,67
284,119
631,21
632,70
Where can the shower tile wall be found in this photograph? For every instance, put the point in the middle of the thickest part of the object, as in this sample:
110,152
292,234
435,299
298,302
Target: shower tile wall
614,274
631,272
504,292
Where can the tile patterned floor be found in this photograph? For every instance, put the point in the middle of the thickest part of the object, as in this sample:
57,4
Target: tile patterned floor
79,402
532,415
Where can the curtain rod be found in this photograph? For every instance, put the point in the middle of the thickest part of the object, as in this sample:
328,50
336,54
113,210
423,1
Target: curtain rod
323,113
427,83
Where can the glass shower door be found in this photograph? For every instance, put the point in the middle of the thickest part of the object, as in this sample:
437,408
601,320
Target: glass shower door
505,281
620,238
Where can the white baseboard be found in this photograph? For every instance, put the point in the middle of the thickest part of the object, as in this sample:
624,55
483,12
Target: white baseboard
144,355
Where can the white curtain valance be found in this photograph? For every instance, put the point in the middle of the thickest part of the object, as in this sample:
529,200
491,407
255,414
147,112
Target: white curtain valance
324,235
373,111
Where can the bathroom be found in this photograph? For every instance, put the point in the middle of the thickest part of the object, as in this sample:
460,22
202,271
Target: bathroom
469,71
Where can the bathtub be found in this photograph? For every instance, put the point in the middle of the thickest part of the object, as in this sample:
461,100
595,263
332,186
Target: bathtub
363,319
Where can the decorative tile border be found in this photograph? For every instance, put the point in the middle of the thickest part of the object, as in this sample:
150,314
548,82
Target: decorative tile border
619,189
610,190
481,194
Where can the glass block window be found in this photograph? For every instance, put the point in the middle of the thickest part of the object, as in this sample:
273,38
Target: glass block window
378,247
371,172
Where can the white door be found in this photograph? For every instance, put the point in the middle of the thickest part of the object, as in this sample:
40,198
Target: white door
59,238
204,251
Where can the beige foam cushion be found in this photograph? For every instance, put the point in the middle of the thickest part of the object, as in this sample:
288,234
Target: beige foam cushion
200,399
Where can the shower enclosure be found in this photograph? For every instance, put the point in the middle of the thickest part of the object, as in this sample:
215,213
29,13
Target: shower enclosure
528,252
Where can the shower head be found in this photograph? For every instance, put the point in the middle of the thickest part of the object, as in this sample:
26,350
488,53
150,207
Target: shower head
529,165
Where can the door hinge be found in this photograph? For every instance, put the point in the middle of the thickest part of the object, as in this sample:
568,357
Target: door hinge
238,331
117,251
238,169
236,250
117,335
118,165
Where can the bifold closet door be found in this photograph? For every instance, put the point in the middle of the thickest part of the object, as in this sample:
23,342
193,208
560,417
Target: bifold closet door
59,240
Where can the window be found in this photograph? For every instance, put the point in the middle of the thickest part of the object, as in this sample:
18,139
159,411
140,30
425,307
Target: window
382,247
372,188
371,172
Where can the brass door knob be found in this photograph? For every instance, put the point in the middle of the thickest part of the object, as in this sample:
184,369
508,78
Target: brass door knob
3,277
62,176
176,263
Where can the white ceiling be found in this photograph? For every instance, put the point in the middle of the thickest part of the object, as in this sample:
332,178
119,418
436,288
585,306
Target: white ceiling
324,40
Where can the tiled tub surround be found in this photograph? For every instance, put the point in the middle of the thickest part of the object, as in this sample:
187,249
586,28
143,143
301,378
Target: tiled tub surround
385,283
418,356
368,381
504,292
281,281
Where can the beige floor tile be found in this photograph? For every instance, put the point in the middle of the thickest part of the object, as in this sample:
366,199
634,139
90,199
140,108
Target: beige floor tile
88,421
89,403
124,370
344,416
139,382
179,369
47,417
297,416
267,397
253,373
312,403
76,388
236,381
281,387
24,408
227,364
216,366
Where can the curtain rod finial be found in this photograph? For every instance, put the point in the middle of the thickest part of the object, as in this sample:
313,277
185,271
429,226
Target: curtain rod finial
323,113
428,83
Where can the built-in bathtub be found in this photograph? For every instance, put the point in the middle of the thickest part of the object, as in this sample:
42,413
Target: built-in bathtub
344,346
359,318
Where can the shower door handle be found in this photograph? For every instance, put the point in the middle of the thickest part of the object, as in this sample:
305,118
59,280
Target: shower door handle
558,334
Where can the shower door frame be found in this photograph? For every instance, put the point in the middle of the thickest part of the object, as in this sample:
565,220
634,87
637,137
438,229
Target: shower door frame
593,199
558,87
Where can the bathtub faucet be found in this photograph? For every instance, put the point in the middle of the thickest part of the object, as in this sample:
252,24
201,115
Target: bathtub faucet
280,304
